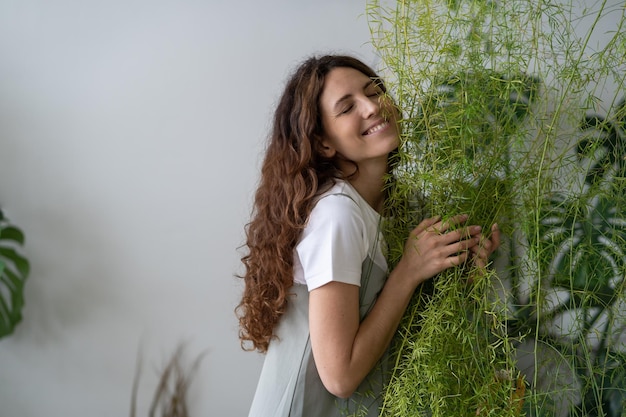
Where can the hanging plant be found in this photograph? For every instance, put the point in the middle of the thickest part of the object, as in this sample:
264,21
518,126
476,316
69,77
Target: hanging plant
455,329
489,92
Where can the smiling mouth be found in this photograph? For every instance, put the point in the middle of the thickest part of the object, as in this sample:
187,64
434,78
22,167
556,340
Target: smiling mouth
376,128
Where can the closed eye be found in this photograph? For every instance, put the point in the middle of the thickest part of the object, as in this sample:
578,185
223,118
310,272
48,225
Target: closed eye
371,90
347,109
374,91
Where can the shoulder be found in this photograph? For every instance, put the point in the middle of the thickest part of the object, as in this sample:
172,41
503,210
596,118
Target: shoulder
339,203
340,194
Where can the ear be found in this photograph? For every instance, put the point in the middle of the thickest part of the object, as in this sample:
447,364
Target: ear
327,149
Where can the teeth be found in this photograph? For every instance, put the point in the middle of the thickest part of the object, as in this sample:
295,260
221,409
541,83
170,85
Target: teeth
376,128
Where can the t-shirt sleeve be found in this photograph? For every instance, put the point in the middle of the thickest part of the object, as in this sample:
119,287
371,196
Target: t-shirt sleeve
332,247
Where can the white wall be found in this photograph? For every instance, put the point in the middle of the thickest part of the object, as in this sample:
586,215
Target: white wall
130,139
131,133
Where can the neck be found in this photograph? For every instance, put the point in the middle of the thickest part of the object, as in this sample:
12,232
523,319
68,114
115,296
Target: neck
369,183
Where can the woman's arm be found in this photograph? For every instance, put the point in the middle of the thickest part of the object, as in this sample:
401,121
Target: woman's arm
345,349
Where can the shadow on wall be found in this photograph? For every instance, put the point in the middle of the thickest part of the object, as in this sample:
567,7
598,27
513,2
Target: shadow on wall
70,283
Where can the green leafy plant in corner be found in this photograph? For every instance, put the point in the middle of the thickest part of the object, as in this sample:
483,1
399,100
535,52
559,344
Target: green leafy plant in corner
14,269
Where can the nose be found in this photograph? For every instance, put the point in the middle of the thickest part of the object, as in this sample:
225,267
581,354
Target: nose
370,107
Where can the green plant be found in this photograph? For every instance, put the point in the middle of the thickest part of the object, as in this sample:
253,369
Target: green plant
454,332
14,269
492,95
583,240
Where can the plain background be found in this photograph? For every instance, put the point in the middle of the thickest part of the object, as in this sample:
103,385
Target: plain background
131,134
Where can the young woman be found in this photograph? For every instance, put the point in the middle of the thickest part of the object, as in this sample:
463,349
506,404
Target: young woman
318,298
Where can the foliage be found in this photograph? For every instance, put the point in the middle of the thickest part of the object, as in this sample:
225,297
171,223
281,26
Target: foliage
14,269
582,272
492,94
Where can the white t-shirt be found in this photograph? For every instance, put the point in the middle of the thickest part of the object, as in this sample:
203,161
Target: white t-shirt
341,242
342,231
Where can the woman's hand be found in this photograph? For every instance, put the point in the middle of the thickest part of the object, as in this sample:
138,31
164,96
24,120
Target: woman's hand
432,247
485,247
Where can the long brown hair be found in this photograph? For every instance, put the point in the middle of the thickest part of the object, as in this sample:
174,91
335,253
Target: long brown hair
294,171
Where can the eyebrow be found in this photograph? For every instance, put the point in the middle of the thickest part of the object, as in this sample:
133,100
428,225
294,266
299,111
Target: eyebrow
349,95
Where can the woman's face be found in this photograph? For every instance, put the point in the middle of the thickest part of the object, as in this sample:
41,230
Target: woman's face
359,121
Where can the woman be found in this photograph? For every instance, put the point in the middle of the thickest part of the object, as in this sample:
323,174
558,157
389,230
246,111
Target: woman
318,298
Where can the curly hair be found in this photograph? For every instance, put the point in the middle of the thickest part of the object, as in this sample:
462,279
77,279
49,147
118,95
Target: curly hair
293,173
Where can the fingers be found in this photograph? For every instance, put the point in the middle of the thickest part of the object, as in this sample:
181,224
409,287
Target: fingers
486,247
457,220
464,233
495,237
480,253
480,264
435,224
436,245
443,226
438,227
456,260
425,224
435,233
457,246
